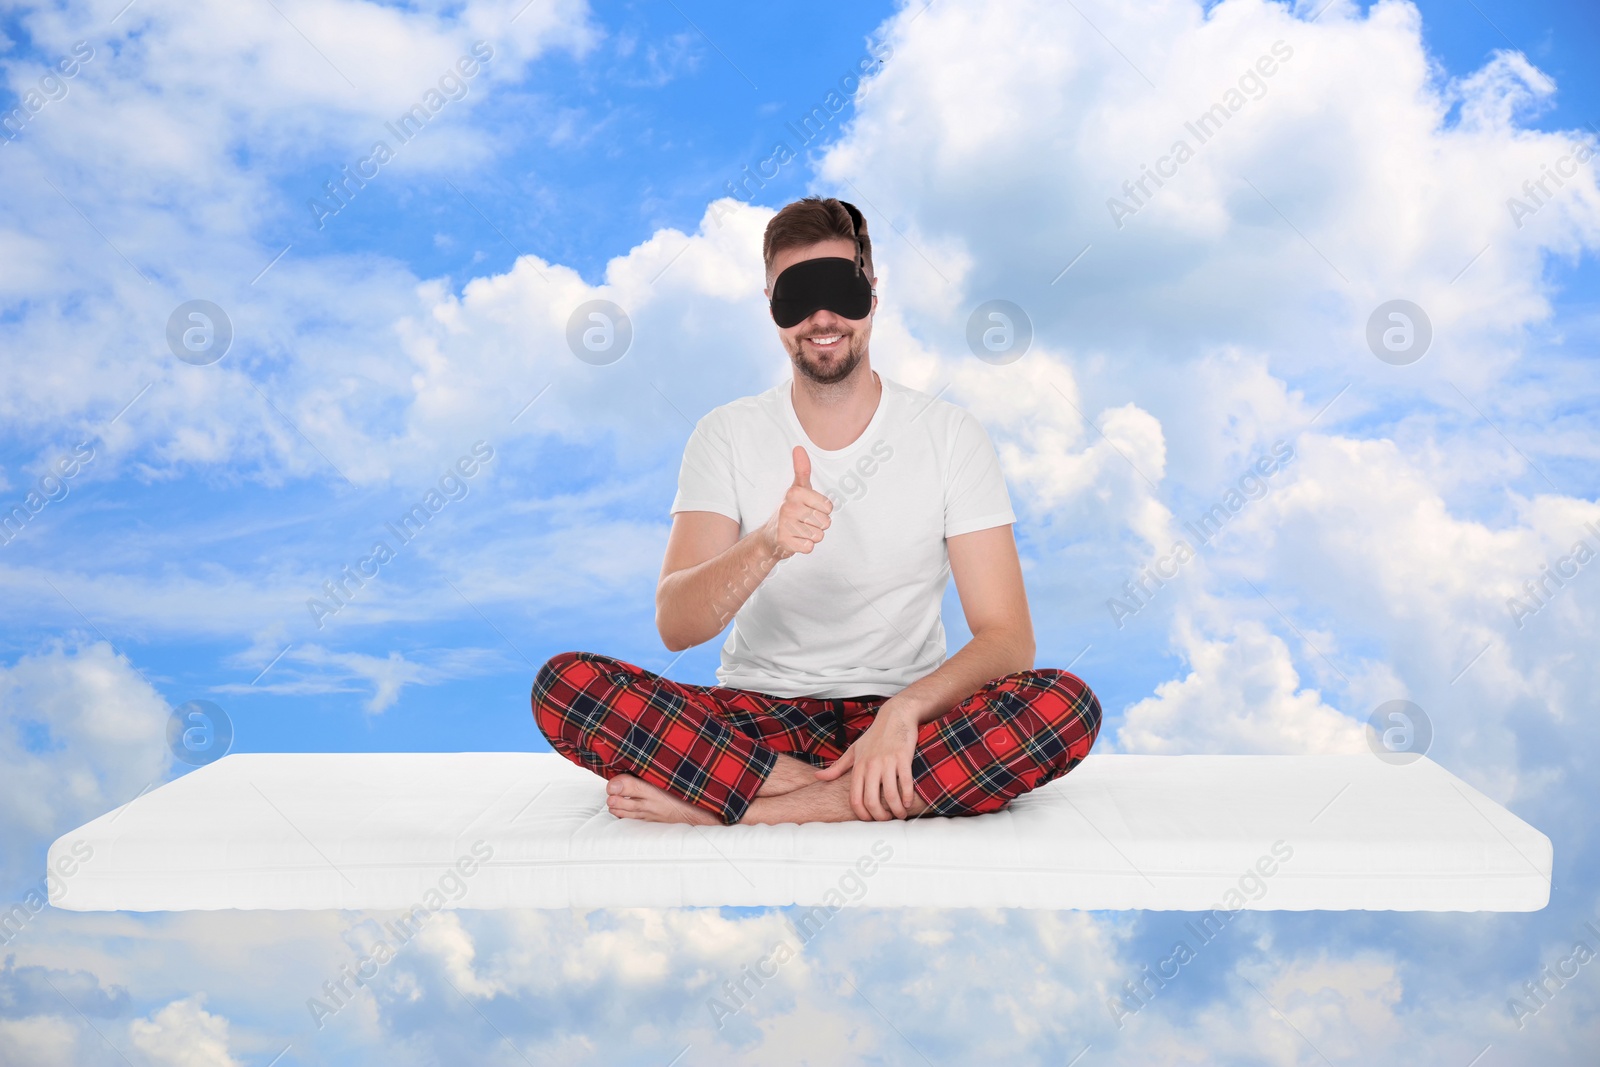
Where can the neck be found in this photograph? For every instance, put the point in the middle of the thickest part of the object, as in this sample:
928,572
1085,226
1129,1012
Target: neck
834,415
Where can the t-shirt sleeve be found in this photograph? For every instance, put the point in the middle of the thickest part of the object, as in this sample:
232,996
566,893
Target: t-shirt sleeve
705,480
975,496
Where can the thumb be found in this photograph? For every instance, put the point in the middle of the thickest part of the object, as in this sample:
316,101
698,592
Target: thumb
802,467
839,766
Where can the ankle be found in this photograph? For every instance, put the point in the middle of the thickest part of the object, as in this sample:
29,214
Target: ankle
787,775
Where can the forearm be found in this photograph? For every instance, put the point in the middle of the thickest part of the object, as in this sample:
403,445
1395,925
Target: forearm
991,654
694,604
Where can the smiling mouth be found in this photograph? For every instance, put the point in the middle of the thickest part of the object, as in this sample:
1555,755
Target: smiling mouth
826,342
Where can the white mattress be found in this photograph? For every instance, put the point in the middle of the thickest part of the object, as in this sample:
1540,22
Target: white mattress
391,831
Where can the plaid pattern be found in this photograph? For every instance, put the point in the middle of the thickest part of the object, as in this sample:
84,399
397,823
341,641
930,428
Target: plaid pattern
714,746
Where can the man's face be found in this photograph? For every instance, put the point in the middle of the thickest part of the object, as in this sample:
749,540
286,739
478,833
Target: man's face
823,363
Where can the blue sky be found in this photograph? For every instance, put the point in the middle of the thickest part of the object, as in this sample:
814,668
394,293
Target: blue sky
591,155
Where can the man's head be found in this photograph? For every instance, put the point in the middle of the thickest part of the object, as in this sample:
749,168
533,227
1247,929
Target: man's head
809,229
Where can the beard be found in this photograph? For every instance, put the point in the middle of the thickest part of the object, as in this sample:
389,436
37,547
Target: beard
826,369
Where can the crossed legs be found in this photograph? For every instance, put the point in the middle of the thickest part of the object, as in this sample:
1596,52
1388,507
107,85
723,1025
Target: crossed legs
791,793
684,753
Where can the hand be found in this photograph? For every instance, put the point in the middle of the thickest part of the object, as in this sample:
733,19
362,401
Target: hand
881,787
798,523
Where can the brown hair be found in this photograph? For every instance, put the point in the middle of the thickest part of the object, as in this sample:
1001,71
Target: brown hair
808,221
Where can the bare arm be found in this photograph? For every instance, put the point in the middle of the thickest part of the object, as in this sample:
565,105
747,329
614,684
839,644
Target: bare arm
988,578
710,571
707,575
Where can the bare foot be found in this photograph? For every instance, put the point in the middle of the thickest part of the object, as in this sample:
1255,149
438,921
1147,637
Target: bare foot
628,797
818,802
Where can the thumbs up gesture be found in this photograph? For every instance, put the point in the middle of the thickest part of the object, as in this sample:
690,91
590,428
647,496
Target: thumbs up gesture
798,523
802,468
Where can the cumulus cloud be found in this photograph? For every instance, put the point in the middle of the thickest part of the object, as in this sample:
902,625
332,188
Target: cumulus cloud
1242,694
1224,313
239,118
81,732
41,1041
184,1034
718,983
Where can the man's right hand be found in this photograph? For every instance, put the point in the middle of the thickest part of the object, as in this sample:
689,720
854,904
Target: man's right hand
798,523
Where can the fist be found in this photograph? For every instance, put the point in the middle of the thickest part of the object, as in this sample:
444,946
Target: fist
800,520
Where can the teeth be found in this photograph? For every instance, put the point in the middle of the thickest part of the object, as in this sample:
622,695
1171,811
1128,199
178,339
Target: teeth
828,340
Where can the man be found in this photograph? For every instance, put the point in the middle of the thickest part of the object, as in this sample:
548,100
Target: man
825,517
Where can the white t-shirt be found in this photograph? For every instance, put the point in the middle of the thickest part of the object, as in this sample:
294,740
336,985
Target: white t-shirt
860,614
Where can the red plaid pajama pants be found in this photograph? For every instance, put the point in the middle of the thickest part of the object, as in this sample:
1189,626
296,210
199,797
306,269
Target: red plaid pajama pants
714,746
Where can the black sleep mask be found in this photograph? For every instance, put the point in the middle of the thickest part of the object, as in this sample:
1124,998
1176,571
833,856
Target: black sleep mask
832,283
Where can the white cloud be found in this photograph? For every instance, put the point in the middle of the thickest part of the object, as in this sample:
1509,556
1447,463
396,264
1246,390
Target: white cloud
41,1041
213,108
322,670
184,1034
81,732
1242,694
1193,337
